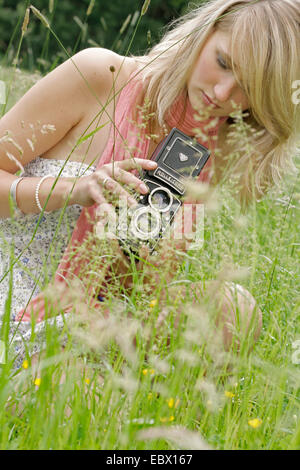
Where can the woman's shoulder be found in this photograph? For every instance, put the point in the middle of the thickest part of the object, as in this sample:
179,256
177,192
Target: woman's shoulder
100,66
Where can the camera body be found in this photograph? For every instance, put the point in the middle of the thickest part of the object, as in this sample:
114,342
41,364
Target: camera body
178,158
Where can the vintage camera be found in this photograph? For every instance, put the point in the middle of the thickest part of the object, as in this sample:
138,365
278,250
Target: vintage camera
178,158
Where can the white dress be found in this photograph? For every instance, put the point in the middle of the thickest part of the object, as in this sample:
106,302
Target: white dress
37,250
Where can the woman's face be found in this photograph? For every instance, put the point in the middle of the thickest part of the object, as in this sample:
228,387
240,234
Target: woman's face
212,82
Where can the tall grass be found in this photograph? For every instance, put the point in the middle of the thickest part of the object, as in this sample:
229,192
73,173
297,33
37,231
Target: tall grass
101,392
134,380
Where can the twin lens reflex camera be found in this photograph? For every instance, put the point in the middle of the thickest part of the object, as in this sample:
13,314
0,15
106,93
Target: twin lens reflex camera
178,157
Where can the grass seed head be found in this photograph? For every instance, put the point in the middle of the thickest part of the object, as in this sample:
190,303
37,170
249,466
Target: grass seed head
40,16
180,436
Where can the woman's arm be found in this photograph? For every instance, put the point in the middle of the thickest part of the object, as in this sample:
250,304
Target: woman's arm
44,116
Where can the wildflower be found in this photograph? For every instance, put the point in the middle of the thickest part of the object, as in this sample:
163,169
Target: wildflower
51,5
30,143
87,380
170,402
48,127
90,7
145,7
153,303
166,419
255,423
38,381
26,21
151,371
15,160
25,364
180,437
229,394
7,138
125,24
40,16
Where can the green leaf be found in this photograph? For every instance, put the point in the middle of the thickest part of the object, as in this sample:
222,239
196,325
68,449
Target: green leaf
84,138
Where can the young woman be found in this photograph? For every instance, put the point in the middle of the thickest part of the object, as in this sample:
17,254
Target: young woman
79,132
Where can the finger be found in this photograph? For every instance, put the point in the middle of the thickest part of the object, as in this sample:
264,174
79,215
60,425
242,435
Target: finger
109,187
137,163
124,177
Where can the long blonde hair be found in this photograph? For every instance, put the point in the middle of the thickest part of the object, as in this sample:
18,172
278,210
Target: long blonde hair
265,45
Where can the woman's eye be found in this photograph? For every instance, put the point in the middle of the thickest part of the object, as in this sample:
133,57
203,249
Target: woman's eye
222,62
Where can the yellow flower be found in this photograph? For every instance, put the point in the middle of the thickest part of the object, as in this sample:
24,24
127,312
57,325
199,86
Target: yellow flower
145,371
37,381
170,402
165,419
229,394
25,364
87,380
255,423
153,303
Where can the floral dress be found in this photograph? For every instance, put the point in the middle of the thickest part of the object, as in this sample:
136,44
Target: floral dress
30,253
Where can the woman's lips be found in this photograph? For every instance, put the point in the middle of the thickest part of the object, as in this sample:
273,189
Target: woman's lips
208,101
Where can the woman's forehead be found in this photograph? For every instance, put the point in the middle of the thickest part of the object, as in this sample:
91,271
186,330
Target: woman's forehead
222,42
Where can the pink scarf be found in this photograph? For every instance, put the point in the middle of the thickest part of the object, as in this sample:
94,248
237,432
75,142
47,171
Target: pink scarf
125,140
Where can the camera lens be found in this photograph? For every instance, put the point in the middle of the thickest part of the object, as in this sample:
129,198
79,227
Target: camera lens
160,199
145,223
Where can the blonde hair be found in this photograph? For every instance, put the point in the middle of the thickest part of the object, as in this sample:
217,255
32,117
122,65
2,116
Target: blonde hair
265,44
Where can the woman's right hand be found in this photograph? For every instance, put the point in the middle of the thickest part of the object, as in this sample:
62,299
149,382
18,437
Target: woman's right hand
106,184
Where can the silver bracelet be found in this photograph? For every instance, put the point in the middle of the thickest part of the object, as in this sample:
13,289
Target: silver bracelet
37,189
13,193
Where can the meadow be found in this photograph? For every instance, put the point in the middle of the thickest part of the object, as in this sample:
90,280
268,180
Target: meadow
136,380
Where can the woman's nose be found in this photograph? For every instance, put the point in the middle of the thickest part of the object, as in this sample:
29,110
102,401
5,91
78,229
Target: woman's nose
224,90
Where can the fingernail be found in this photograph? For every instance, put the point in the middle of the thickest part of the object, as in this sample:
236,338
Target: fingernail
152,164
144,187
